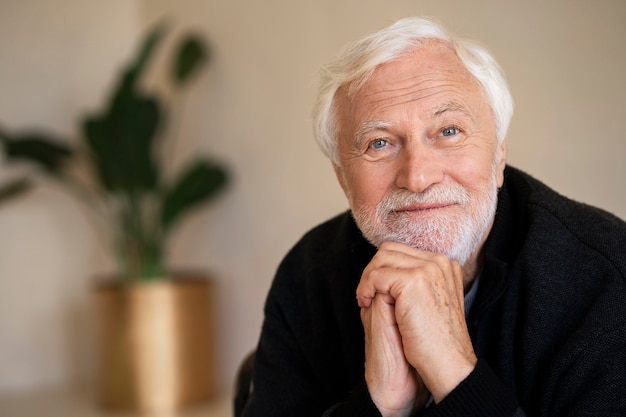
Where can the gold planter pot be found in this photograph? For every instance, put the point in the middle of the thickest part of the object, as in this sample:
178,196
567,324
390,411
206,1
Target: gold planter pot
157,344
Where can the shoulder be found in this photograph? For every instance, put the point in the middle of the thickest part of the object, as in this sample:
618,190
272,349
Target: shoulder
568,232
335,239
568,278
334,248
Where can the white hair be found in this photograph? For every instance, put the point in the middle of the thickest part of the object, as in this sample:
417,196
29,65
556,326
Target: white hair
357,61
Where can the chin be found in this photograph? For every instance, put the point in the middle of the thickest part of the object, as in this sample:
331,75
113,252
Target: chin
458,237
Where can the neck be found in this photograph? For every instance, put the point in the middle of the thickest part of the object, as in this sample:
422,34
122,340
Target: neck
472,267
470,271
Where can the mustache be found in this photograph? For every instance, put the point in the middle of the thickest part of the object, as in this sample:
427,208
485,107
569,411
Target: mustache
438,194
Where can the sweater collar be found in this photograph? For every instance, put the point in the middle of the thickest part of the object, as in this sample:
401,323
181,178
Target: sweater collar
505,239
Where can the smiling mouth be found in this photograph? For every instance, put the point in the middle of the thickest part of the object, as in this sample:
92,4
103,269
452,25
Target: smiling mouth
423,207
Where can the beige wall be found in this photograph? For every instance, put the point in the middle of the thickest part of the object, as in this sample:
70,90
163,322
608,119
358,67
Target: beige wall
564,59
56,60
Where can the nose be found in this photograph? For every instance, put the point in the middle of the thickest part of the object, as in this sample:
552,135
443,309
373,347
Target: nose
419,168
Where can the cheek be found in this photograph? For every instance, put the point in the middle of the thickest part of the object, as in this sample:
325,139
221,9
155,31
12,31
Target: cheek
366,187
479,167
475,176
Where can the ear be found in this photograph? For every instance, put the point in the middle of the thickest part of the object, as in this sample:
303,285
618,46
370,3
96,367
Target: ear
501,162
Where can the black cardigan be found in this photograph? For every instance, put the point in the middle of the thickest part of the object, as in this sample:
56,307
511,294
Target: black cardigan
548,323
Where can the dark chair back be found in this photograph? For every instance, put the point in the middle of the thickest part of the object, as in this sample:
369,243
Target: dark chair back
243,384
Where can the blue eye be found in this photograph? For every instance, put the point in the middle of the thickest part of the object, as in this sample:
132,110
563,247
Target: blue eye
450,131
378,144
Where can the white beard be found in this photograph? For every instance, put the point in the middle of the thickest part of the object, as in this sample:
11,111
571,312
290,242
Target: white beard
456,235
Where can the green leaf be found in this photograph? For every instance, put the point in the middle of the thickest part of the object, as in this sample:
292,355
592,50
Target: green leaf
134,71
43,150
149,45
13,189
199,183
97,133
122,141
125,90
190,56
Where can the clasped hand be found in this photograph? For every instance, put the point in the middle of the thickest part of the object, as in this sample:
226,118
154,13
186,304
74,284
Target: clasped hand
416,338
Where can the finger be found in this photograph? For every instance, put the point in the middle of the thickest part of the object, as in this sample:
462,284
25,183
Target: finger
393,384
391,257
396,265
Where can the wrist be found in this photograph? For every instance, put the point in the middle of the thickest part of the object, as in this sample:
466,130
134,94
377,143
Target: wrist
442,380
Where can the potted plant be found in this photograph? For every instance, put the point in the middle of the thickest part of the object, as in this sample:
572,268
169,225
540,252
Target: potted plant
155,325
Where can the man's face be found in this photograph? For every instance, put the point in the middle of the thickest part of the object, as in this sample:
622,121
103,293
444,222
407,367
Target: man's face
418,155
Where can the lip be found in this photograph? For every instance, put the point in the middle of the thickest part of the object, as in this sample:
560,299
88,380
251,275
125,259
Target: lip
423,207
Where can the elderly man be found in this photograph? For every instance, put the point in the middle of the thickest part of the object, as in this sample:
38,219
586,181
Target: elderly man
456,285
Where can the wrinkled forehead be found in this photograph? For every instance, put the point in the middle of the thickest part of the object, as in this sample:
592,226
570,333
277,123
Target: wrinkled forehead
432,56
431,71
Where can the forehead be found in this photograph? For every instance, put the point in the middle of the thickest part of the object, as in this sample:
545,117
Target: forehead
427,78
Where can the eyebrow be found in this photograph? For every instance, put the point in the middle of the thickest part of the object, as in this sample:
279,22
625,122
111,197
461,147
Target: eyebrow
372,125
367,127
451,107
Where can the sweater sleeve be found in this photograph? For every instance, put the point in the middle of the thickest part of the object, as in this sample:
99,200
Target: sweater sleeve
297,363
358,404
284,385
482,393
